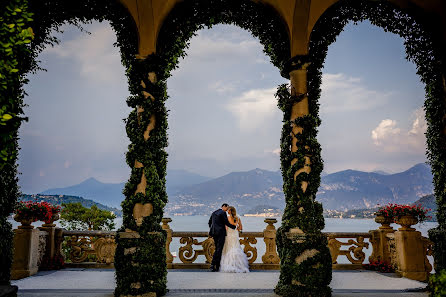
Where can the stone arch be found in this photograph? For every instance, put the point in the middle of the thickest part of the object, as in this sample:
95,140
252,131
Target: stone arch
141,242
424,45
186,18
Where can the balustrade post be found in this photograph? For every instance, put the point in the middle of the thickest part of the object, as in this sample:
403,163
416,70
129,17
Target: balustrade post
380,244
166,227
26,246
410,250
269,237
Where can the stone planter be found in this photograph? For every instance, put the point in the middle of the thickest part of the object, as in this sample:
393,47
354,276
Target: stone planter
406,222
384,221
54,218
26,222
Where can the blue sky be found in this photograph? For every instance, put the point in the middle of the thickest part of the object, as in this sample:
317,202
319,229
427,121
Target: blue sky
223,115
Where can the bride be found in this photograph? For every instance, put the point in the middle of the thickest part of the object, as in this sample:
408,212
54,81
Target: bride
233,259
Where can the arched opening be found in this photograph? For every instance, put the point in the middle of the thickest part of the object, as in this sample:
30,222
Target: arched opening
75,108
422,46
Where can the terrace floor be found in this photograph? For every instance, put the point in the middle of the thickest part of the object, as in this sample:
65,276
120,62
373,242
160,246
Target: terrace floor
187,283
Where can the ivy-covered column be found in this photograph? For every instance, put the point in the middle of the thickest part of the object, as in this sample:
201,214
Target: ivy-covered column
140,255
436,141
305,268
15,36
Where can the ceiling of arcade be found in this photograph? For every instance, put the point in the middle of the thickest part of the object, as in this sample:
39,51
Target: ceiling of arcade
299,15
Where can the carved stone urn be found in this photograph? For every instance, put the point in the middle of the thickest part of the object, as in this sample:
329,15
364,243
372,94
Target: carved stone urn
54,218
406,222
26,222
384,221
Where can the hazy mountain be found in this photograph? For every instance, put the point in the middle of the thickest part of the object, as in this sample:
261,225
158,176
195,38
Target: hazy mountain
59,199
177,179
349,189
105,193
111,194
241,189
191,193
352,189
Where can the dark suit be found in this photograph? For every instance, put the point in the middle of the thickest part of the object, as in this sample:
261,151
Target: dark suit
217,223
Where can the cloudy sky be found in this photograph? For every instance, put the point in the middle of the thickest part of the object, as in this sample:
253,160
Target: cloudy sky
223,115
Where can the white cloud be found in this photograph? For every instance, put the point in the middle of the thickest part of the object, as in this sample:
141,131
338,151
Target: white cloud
253,108
385,130
275,151
388,136
96,58
345,93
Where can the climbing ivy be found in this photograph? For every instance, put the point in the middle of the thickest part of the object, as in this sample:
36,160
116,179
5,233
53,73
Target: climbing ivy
15,36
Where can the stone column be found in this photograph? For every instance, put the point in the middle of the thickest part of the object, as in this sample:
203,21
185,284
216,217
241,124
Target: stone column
26,252
166,227
380,244
269,237
411,255
50,247
140,258
303,251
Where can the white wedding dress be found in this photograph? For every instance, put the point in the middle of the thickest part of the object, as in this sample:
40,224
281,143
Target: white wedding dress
233,259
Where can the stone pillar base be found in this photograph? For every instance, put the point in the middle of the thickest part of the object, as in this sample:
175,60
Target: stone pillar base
19,274
419,276
26,253
8,291
411,255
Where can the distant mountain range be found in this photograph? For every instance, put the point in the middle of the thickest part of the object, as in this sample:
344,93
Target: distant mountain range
351,189
59,199
192,194
111,194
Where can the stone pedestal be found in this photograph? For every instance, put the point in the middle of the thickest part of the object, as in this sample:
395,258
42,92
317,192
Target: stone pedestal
26,253
411,255
380,243
50,248
166,227
269,237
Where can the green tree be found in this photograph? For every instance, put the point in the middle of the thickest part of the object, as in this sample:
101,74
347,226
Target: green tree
76,217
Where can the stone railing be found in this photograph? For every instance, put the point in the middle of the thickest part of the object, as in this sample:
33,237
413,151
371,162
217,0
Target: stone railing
96,248
89,248
406,249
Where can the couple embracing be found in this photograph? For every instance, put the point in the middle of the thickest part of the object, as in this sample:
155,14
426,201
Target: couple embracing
224,226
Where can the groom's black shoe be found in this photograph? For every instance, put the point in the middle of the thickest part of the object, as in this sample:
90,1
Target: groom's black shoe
213,269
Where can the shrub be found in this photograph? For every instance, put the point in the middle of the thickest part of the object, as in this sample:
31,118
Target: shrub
437,284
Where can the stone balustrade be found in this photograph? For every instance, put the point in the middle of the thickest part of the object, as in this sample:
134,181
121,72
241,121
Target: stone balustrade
406,250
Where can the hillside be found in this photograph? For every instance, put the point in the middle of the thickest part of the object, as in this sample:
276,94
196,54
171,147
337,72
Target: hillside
59,199
111,194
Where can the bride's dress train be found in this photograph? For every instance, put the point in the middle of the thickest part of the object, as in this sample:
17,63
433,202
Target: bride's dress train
233,259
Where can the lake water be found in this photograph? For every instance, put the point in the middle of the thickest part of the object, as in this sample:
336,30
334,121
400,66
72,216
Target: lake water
257,224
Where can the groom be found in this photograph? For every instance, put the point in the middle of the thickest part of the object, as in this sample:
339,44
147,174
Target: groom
217,223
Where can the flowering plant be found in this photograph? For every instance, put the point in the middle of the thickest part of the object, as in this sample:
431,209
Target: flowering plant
386,211
396,211
379,266
33,211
